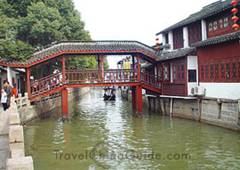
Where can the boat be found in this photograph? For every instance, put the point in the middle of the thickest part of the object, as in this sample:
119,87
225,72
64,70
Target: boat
109,94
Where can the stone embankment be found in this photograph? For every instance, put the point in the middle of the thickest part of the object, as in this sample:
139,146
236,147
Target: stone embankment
12,141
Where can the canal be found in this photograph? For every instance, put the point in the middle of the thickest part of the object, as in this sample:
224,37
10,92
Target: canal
106,135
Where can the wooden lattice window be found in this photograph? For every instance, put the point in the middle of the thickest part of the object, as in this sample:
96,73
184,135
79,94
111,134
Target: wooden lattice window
211,71
182,70
202,72
174,73
210,27
166,72
234,71
238,70
220,22
215,25
225,22
228,71
206,72
222,71
216,71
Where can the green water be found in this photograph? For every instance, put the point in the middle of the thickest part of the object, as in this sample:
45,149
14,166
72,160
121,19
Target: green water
107,136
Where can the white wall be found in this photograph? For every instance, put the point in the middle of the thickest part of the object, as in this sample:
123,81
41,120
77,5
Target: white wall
185,37
170,39
192,64
222,90
204,29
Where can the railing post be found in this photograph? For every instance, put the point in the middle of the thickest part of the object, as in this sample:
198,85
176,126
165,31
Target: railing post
28,73
101,67
63,70
138,69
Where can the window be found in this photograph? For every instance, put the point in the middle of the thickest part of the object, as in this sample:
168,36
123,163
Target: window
202,72
216,71
166,37
206,72
220,22
234,71
182,70
227,71
192,76
166,73
174,73
160,72
215,25
210,27
225,22
211,71
238,70
222,71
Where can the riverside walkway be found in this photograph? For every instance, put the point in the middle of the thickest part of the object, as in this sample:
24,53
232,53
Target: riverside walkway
4,139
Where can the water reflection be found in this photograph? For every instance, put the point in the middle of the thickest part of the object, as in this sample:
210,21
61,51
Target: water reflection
111,129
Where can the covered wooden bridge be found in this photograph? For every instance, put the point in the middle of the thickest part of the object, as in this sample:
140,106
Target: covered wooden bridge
64,77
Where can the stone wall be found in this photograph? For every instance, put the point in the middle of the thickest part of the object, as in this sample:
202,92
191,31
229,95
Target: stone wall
224,113
17,159
50,105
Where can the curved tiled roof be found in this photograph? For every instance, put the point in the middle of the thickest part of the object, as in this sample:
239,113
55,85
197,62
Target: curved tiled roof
218,39
168,55
88,47
206,11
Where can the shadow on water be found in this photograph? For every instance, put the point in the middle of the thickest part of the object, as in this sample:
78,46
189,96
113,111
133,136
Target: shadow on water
106,135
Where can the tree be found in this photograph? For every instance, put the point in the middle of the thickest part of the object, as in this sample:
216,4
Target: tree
31,24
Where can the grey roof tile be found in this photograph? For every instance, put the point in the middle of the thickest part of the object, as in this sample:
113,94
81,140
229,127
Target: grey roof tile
168,55
218,39
205,12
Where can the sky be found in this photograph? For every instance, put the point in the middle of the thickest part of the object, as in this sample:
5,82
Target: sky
136,20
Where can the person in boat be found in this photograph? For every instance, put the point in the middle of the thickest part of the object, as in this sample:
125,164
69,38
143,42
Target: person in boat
109,94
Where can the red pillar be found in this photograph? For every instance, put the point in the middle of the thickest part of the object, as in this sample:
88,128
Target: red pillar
139,102
28,71
101,67
64,93
138,69
134,98
63,70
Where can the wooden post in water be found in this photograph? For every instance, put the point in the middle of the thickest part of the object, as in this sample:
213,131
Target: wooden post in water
139,99
134,98
64,95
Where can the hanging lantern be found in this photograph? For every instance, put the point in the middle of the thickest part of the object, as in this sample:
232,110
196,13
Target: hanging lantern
235,26
234,10
234,2
235,18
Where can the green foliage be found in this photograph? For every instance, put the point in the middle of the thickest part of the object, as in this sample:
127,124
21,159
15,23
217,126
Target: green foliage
29,24
82,62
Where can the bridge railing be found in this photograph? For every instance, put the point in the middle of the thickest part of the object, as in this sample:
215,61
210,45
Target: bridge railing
150,79
92,77
96,76
46,83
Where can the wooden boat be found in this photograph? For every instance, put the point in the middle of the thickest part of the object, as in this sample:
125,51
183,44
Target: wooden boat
109,94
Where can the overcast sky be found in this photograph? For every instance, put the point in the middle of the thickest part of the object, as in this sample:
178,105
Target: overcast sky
134,19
